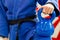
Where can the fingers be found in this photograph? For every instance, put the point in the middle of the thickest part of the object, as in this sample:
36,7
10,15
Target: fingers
5,38
1,38
47,10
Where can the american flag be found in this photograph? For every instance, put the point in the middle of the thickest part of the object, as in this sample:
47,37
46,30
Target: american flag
56,23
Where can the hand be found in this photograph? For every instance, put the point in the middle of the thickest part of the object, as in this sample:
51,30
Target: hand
1,38
48,8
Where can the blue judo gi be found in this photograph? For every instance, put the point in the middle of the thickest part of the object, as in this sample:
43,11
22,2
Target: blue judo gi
18,9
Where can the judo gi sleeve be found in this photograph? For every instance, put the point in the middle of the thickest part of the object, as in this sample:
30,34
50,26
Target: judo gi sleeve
3,23
42,2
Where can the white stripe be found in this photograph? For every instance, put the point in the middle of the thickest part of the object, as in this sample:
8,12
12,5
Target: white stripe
57,30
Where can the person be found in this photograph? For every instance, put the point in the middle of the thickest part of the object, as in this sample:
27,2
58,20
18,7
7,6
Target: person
19,19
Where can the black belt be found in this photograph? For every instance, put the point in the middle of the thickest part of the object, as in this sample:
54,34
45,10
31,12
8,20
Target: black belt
11,22
19,21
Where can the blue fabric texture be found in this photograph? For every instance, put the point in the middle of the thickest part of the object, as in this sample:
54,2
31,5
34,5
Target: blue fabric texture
17,9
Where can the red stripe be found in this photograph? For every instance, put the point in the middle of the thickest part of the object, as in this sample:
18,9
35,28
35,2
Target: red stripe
58,38
55,24
59,4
